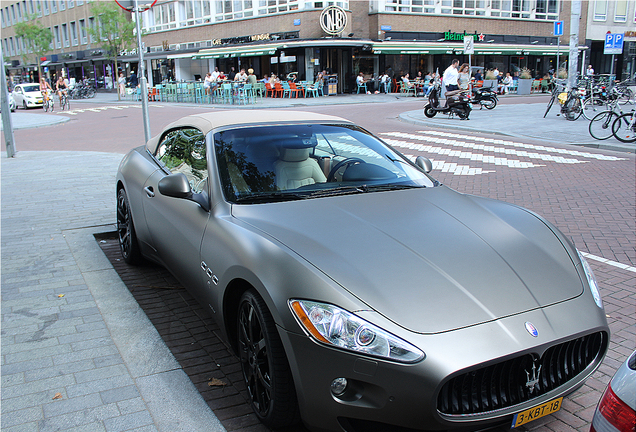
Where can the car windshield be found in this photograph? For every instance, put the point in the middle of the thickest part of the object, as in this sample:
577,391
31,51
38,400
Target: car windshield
31,88
279,163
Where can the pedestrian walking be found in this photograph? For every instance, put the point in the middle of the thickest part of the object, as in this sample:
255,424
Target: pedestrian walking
450,76
122,84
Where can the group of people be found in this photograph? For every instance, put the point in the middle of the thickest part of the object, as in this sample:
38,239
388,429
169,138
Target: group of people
61,88
213,79
458,77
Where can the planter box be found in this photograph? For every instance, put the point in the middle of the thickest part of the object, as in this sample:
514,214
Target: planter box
524,86
490,84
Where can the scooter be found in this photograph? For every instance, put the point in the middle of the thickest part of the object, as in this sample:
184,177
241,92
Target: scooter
457,103
485,97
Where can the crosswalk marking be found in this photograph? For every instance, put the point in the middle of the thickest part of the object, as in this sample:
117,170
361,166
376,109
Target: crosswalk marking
100,109
526,146
486,148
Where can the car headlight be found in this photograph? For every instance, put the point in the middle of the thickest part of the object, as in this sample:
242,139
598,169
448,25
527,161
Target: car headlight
336,327
591,280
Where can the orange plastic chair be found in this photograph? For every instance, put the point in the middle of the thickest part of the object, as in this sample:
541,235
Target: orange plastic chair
278,89
295,89
268,90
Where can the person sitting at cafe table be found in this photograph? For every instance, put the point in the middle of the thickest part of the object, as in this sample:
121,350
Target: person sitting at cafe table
241,77
251,78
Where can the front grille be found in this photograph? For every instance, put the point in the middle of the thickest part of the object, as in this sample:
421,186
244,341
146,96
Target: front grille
509,383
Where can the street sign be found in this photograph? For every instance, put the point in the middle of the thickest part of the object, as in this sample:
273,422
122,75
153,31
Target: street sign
129,5
469,45
558,28
613,43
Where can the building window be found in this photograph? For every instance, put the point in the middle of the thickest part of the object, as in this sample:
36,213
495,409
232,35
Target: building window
71,4
46,6
195,12
54,6
19,12
270,7
547,10
2,15
62,5
74,33
600,10
164,17
91,25
620,11
56,35
83,33
65,35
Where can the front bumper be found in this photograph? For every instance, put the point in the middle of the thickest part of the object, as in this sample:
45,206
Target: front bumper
382,393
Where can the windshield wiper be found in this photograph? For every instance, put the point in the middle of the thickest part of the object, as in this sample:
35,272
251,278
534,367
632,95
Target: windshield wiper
342,190
388,187
270,197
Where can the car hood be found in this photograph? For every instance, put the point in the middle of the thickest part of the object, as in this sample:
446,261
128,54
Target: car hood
431,260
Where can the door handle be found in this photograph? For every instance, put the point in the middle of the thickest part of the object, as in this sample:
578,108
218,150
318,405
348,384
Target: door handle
149,191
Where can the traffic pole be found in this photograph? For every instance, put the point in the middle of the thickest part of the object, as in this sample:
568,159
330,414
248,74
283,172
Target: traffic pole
142,77
7,125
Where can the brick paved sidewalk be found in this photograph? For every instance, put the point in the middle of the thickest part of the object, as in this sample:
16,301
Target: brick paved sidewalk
78,354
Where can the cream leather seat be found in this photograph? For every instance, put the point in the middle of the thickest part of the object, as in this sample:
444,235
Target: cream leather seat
295,168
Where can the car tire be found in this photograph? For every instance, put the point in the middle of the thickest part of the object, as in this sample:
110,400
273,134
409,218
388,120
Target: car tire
126,235
24,105
264,364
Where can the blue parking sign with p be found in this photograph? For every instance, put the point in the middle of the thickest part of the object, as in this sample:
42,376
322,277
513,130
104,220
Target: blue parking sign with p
613,43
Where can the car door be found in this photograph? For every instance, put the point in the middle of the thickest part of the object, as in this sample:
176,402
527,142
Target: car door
18,96
177,225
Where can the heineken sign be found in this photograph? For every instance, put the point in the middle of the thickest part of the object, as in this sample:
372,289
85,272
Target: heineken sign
459,37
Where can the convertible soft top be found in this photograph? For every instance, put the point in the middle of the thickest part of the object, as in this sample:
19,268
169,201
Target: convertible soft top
205,122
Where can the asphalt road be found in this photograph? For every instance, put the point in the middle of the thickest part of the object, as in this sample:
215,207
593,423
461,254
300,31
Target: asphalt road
588,193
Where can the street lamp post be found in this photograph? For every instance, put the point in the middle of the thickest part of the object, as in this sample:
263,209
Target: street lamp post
142,77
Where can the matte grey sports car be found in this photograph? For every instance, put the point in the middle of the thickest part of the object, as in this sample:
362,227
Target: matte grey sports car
359,293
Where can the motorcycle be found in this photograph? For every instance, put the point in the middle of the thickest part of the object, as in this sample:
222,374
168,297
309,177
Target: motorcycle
485,97
457,103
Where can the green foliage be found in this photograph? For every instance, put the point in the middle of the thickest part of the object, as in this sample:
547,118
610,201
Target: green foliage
525,73
36,37
114,30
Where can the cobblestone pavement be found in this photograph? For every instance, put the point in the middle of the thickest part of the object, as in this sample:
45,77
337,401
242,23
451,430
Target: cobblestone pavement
80,353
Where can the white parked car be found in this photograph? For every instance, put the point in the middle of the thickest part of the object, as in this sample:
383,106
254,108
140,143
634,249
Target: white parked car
11,103
27,95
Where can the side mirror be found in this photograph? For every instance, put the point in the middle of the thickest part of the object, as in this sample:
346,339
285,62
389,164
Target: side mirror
177,186
424,163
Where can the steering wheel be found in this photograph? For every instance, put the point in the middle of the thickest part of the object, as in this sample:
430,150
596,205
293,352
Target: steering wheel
342,163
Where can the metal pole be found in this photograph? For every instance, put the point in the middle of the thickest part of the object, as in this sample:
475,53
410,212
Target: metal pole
142,76
7,126
573,62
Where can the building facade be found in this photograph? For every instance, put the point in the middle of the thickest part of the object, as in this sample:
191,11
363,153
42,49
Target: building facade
184,39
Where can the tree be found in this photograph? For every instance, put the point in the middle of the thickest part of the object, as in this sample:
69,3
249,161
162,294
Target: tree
114,29
37,39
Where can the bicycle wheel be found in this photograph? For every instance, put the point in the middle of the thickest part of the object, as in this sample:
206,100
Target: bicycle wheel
45,106
624,128
624,96
590,108
573,109
601,125
65,104
549,104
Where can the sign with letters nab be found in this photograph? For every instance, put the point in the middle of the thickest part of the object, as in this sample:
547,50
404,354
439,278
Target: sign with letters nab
613,43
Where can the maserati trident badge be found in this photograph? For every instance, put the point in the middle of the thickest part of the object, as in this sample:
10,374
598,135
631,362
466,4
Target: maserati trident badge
534,379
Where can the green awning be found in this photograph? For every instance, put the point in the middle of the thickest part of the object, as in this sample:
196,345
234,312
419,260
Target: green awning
421,47
237,51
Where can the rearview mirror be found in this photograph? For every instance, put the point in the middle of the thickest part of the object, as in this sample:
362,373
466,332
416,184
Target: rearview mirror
178,186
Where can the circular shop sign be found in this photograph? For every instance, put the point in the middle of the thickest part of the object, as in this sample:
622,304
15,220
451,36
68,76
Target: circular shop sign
333,20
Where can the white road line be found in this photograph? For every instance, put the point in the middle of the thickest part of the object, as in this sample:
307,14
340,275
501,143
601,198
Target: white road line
526,146
512,163
609,262
487,148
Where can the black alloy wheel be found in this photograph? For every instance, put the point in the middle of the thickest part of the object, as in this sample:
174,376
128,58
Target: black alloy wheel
126,235
429,112
489,103
264,364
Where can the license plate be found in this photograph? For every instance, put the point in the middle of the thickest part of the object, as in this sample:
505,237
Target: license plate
537,412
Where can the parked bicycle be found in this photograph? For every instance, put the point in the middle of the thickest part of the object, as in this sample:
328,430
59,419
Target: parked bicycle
624,127
601,126
570,101
82,90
